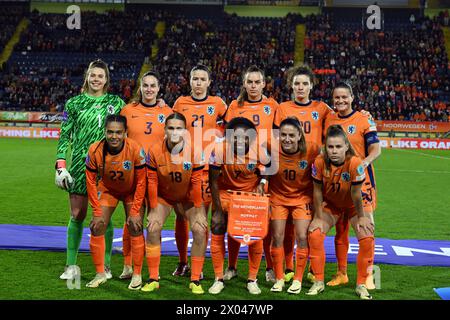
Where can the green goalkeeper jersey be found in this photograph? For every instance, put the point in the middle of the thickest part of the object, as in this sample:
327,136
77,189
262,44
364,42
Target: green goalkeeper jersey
83,124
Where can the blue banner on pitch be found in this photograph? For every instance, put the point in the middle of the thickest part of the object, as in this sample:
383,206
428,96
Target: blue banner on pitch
444,293
400,252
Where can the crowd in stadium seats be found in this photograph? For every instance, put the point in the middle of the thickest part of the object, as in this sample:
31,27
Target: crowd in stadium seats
395,76
9,18
228,48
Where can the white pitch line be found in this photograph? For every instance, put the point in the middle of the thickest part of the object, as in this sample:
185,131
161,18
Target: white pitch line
414,171
422,154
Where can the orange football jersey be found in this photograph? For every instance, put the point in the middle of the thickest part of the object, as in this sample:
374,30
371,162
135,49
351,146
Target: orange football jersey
202,117
292,185
361,131
121,174
146,122
338,180
261,113
237,173
173,177
311,115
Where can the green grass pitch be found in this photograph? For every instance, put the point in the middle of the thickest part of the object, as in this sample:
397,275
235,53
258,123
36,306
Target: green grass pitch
411,205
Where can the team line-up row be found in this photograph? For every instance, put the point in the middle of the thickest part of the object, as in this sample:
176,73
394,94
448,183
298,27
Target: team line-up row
129,157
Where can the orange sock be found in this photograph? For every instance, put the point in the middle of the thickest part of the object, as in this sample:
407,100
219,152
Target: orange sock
97,245
153,253
317,253
364,261
196,267
126,243
233,252
301,259
267,253
182,239
138,251
289,243
277,259
218,254
341,243
255,252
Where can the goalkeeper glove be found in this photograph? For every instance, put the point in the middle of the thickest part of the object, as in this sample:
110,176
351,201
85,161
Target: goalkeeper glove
62,177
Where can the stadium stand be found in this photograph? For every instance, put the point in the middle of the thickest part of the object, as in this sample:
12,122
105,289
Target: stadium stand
396,76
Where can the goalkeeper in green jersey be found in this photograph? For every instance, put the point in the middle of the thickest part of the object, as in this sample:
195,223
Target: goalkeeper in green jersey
82,125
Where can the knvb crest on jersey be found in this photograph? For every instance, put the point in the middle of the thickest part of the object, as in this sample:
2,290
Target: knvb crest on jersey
315,115
303,164
351,129
187,165
345,176
127,165
210,110
267,110
161,118
110,109
251,166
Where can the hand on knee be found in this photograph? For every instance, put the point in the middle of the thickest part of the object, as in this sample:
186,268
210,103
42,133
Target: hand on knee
154,227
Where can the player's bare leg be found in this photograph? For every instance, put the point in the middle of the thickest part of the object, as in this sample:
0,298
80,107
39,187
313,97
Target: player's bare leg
98,228
78,211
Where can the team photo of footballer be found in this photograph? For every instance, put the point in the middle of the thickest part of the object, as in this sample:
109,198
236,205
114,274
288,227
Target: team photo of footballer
265,160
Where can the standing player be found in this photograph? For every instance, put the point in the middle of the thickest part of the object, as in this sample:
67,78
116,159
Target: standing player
82,125
174,179
146,119
202,113
291,196
252,105
361,131
233,166
312,115
115,171
338,175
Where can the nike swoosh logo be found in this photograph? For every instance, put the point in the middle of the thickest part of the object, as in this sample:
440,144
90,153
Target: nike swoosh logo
241,112
134,117
185,109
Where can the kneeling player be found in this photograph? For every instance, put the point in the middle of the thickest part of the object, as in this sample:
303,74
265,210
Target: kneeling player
174,179
115,171
338,175
233,167
291,195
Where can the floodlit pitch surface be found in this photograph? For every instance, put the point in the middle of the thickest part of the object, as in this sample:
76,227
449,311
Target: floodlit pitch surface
413,203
